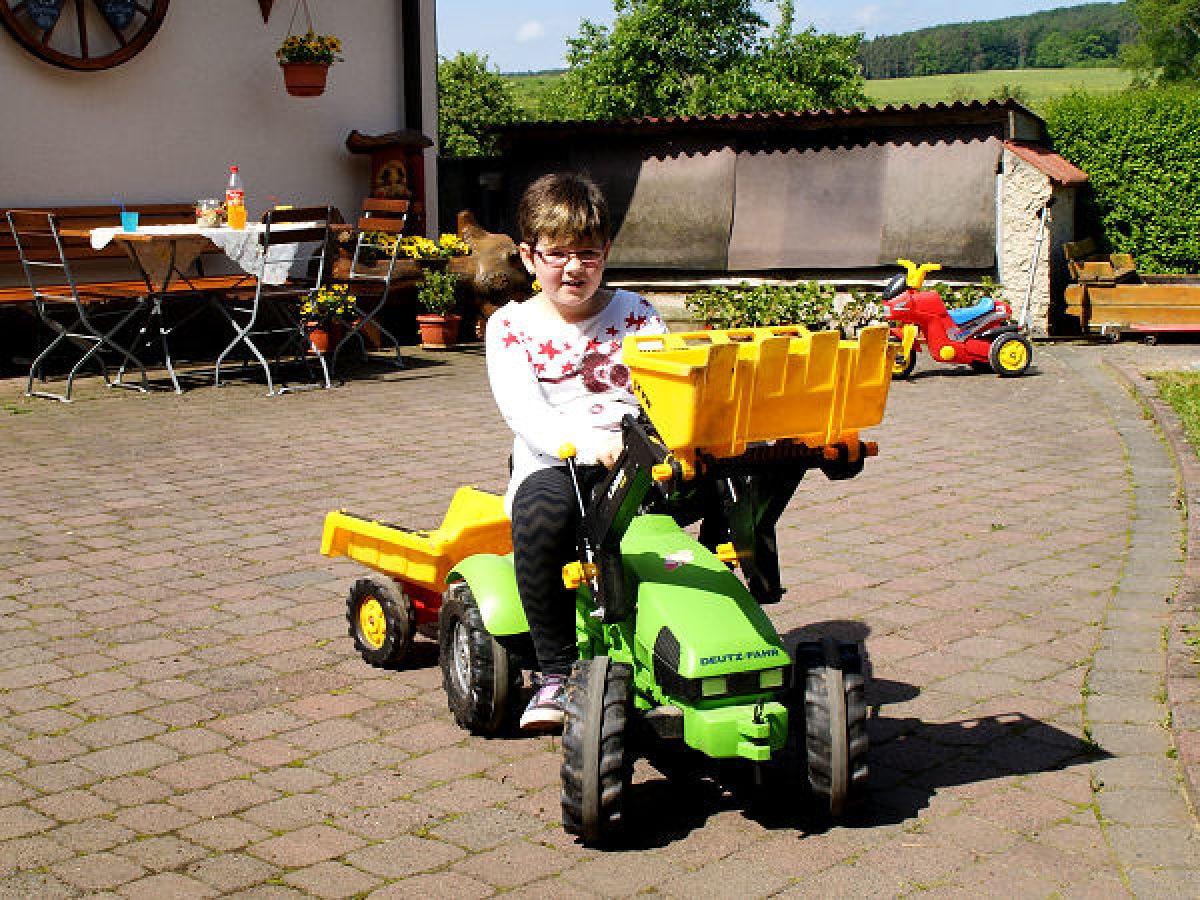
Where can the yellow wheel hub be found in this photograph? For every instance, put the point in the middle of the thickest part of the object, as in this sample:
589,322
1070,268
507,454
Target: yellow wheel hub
1012,356
371,623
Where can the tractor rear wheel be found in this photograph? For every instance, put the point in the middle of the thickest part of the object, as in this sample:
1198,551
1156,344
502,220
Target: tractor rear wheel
833,722
381,622
597,765
477,672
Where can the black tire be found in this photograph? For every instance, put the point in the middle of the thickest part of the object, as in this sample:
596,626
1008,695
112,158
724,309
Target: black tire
380,615
903,366
597,765
1010,355
833,722
478,674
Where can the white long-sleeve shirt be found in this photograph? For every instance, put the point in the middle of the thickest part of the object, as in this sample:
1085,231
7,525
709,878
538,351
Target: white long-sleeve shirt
558,382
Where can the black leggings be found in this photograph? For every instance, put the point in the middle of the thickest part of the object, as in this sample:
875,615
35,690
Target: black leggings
545,521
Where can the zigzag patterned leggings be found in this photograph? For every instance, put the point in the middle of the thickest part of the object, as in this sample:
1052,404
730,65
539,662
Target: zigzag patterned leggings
545,520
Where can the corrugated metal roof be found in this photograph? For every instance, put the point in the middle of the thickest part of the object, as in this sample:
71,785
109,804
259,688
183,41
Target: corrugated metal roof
1049,163
975,111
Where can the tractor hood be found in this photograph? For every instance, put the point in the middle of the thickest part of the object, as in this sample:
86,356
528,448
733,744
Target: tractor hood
695,618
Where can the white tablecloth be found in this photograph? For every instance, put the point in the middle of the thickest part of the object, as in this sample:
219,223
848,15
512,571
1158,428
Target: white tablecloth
242,246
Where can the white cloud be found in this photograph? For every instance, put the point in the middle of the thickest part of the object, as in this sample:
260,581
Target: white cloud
865,17
530,31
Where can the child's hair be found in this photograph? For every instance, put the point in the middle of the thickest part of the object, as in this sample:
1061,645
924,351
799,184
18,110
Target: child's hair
563,207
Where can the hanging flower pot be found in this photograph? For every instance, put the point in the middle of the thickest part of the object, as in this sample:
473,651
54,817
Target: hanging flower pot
304,79
306,58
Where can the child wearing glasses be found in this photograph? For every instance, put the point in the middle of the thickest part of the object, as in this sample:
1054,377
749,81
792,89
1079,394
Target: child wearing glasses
554,363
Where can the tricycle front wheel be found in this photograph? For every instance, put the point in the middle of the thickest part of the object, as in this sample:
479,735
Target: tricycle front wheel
903,363
381,622
1010,355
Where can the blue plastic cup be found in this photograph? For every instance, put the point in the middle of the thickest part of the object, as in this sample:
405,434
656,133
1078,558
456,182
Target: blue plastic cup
129,221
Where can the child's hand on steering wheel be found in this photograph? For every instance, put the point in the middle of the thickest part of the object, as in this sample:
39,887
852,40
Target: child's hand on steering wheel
607,453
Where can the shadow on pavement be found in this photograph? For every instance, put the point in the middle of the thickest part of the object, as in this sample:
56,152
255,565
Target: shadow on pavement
910,762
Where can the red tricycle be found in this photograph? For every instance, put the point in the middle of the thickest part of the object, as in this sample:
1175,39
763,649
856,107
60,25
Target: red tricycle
982,336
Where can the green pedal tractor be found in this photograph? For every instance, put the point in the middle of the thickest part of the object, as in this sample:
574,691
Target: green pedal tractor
675,650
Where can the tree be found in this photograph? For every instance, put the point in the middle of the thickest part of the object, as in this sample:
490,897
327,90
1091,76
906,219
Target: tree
471,97
696,57
1168,44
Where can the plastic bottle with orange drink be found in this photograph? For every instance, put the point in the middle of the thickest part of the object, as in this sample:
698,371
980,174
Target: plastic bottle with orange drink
235,200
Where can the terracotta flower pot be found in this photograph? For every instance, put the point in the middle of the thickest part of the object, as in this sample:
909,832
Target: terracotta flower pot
438,332
323,337
304,79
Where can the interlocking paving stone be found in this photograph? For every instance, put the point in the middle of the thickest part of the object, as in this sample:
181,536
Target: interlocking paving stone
182,712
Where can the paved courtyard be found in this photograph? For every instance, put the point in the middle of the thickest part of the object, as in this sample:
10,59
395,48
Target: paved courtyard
183,715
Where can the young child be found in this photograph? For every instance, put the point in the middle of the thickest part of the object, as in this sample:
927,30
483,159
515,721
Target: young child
555,368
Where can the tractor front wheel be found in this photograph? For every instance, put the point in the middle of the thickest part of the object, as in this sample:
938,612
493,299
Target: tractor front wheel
477,672
833,722
597,765
1010,355
381,622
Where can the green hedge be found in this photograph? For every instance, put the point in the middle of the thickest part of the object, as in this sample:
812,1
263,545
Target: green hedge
1141,150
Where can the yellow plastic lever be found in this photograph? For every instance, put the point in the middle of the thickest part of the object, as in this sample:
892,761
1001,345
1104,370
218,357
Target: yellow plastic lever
727,554
662,472
916,274
575,573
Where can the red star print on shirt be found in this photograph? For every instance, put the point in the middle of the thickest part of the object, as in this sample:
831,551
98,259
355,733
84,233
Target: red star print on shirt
610,331
633,321
510,339
548,350
592,345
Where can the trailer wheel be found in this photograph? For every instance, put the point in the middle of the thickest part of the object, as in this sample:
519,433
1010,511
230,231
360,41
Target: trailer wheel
477,673
380,614
1010,355
832,722
597,765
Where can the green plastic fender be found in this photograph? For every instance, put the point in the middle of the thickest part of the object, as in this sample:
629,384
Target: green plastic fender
493,582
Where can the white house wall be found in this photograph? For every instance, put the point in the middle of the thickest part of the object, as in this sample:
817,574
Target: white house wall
1026,190
207,93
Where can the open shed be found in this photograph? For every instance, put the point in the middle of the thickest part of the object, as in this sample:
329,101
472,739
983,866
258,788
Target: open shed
835,195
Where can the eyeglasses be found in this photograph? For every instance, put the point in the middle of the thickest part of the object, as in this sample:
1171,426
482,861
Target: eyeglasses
558,259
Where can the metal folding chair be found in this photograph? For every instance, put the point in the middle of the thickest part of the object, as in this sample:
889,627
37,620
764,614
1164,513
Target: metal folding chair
88,320
293,241
380,229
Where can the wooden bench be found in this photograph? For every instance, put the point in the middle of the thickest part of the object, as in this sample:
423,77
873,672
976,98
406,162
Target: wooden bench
76,221
1086,264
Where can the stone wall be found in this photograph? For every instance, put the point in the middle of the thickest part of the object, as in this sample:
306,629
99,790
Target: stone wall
1025,191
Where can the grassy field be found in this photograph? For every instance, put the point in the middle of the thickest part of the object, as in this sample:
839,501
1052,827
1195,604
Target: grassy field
1035,86
529,89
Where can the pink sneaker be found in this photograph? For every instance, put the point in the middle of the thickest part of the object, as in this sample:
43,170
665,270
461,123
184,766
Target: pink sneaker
547,707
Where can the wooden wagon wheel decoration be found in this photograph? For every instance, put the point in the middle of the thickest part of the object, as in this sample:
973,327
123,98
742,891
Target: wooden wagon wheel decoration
84,34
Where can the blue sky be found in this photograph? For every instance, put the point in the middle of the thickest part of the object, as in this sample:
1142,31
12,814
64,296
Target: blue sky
527,35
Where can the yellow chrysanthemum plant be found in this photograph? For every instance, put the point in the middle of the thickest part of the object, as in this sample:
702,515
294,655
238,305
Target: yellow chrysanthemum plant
310,47
446,246
329,304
